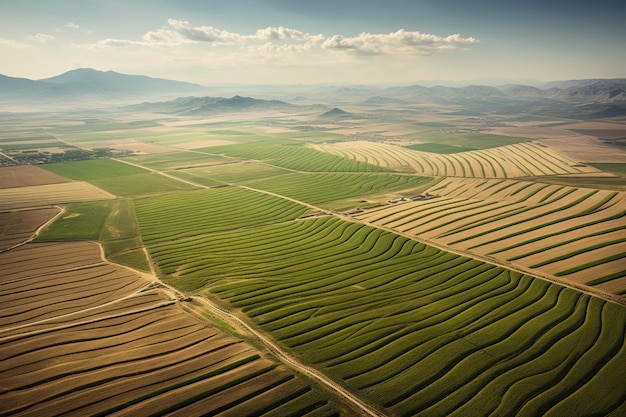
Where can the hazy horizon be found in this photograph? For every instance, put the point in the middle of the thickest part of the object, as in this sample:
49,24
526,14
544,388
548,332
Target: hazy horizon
343,41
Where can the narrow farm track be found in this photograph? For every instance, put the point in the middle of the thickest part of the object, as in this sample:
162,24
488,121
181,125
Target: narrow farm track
291,361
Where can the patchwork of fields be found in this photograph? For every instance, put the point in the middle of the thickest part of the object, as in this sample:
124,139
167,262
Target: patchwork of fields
410,327
320,242
79,336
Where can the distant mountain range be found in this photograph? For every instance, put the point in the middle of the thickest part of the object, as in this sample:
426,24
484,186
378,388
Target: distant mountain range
590,98
195,106
87,84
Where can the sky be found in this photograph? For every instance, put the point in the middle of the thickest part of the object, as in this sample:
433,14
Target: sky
383,42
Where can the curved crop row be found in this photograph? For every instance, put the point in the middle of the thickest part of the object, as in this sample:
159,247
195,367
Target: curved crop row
517,160
325,188
79,340
296,157
182,215
554,228
405,325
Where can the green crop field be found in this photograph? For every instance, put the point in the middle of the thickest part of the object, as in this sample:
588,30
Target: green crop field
616,168
469,140
141,184
293,224
176,160
111,222
410,327
326,188
293,155
93,169
79,222
118,178
175,216
439,148
230,173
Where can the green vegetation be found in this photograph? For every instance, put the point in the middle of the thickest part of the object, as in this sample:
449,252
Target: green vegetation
93,169
293,155
176,160
404,324
81,221
118,178
141,184
454,138
603,183
110,222
230,173
323,189
616,168
180,215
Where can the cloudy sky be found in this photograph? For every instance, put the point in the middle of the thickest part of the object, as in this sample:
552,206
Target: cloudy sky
317,41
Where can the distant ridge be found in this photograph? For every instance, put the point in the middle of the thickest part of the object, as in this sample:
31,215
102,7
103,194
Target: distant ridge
189,106
90,85
590,98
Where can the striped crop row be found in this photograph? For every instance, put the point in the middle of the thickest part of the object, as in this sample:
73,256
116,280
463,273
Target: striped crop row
181,215
518,160
296,157
327,187
80,340
571,232
412,328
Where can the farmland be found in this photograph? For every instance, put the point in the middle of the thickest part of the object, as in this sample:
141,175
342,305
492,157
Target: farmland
556,229
289,264
80,336
359,303
519,160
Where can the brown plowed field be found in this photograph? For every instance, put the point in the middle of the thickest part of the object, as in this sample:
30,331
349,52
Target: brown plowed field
27,175
78,337
45,195
18,226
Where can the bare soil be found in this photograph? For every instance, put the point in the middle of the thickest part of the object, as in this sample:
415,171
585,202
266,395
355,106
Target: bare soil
27,175
18,226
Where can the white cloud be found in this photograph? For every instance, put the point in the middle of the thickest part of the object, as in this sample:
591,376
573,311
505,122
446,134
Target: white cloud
72,25
400,42
272,41
42,37
283,33
180,31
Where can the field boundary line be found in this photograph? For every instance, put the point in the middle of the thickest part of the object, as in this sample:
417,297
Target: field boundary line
290,361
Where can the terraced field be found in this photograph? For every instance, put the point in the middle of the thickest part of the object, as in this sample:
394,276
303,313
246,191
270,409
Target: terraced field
518,160
405,325
574,233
